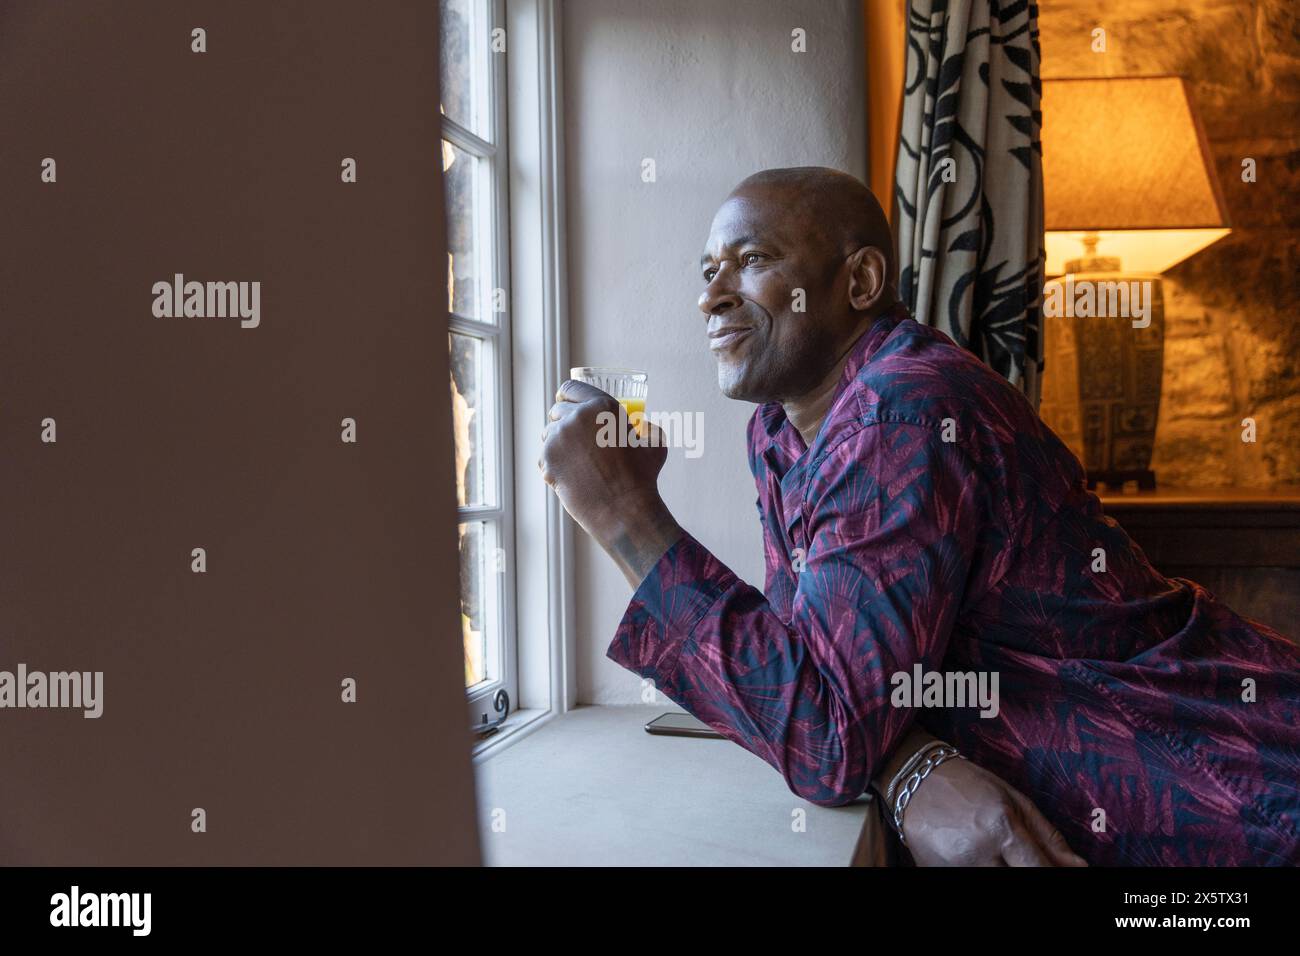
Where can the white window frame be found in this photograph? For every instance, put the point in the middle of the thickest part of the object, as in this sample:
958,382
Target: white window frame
535,338
495,387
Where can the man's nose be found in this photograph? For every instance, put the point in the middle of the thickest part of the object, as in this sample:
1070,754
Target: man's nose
717,299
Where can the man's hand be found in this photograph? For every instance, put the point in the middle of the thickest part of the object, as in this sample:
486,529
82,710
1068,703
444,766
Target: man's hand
606,474
962,815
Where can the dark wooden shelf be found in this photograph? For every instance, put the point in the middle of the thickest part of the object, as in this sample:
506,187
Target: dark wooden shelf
1203,499
1242,545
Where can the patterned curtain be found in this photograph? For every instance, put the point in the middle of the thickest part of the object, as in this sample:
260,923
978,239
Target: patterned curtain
969,180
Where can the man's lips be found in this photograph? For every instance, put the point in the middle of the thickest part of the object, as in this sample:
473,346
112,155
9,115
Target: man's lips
724,338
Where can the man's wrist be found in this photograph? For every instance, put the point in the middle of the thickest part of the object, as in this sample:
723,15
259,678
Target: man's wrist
914,740
637,537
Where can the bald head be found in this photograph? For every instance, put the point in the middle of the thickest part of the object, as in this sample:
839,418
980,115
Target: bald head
798,264
841,210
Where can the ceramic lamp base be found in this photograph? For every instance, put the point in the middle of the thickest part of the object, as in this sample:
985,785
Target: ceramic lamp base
1104,349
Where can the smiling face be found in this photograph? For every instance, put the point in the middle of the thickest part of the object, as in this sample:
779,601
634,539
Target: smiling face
776,296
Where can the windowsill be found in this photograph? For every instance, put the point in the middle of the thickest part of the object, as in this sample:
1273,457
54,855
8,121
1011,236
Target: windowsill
592,788
517,726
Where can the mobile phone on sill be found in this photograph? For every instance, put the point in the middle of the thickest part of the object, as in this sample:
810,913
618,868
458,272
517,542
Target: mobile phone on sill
680,725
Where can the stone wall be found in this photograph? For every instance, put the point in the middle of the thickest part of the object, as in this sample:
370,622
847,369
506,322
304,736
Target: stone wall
1232,346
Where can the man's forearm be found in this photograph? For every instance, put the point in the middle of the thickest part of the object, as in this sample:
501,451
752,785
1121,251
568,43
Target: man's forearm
638,538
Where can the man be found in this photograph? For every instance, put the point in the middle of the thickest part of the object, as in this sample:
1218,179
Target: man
916,511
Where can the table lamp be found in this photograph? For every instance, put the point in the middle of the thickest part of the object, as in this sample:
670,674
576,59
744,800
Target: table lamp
1128,193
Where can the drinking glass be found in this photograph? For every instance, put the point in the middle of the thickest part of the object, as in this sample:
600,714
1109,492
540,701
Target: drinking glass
627,385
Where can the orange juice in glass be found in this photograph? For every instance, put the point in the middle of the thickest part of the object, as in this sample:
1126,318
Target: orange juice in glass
627,385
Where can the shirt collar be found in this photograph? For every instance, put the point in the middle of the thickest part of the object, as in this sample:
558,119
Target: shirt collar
779,442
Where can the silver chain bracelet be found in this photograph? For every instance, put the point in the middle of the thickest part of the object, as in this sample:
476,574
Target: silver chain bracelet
914,771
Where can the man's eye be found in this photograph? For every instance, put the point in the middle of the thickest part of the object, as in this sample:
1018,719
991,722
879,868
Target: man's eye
750,258
709,274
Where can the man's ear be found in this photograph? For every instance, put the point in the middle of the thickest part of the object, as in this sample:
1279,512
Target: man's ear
868,278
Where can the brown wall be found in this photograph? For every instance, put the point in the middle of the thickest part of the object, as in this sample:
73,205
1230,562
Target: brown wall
1232,347
325,560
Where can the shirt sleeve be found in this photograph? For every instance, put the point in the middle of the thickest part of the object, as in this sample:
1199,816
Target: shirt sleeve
777,582
889,522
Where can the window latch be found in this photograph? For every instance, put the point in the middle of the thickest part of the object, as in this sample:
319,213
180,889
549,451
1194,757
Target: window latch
500,704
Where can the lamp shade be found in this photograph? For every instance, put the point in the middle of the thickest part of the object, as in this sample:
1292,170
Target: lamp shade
1124,159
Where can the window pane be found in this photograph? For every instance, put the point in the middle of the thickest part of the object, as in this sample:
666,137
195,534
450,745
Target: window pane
471,390
468,227
465,40
481,561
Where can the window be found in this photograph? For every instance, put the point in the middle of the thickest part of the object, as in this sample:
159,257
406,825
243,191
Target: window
475,177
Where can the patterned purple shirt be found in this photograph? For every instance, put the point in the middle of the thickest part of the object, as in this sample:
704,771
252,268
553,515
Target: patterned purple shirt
936,521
